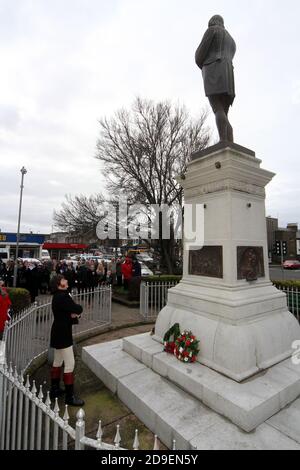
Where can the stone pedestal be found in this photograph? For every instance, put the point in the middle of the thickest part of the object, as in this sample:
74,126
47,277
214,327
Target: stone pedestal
226,297
244,371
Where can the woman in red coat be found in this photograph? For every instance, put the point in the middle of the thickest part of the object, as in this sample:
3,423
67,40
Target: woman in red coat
127,269
5,304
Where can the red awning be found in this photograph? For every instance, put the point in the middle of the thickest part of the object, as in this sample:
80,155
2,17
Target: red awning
64,246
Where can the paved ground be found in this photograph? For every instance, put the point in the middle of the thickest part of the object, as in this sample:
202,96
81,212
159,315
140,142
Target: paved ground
278,274
100,402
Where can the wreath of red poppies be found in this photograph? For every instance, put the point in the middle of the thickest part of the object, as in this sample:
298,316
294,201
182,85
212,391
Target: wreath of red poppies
184,346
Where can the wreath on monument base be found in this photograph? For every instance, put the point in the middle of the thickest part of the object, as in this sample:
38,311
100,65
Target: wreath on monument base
184,345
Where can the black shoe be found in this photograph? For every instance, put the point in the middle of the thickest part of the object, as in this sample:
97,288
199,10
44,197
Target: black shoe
74,401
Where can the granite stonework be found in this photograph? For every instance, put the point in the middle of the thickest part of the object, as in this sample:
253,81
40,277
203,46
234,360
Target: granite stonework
245,377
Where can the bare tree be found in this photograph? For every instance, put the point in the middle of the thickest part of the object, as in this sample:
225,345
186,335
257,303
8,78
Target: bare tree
79,215
144,149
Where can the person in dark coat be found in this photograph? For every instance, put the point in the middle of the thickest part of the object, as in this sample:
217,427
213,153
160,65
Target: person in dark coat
33,281
2,267
70,275
66,313
92,278
8,274
43,279
214,57
82,278
137,269
119,272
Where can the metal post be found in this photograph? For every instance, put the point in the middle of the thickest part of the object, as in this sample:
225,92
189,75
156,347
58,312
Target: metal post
8,414
282,260
4,407
23,171
80,429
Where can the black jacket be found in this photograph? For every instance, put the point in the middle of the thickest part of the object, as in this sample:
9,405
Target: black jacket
62,307
214,57
70,275
137,269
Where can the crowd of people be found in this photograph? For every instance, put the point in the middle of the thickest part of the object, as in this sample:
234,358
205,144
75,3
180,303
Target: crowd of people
84,276
61,278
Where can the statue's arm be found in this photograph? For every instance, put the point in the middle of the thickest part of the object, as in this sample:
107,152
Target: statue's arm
202,51
234,48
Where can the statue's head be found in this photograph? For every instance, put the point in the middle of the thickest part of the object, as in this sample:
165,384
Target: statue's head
216,20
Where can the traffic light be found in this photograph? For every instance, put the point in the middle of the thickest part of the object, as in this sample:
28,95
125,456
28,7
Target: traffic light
284,248
281,248
277,249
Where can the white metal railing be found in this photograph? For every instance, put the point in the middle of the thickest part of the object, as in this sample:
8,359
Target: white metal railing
153,297
27,334
27,422
293,298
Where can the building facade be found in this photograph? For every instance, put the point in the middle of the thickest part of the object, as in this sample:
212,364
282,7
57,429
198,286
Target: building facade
60,245
30,245
287,239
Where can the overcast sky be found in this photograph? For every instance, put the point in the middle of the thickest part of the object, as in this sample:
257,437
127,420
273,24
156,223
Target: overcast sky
66,63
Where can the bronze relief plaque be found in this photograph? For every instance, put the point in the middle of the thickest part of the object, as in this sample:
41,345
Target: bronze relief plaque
207,262
250,262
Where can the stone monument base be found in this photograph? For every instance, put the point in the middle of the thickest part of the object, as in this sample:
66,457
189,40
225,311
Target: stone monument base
245,373
242,331
193,404
225,296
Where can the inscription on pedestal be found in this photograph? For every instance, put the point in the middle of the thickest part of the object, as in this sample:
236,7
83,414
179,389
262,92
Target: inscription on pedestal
250,262
207,262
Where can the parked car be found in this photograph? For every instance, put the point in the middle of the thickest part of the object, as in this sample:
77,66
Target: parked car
4,255
291,264
107,258
92,258
45,255
145,270
30,260
144,257
72,262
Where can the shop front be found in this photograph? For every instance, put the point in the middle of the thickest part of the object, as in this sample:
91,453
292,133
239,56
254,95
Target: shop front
62,251
30,245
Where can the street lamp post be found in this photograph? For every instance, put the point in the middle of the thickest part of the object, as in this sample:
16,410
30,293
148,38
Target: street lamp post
23,171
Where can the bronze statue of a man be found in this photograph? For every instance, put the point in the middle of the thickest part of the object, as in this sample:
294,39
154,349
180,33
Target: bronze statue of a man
214,57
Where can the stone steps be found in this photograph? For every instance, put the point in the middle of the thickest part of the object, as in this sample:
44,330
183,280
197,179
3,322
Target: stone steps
246,404
170,412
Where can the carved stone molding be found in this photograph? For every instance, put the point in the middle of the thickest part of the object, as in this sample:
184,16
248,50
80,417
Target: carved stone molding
226,185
